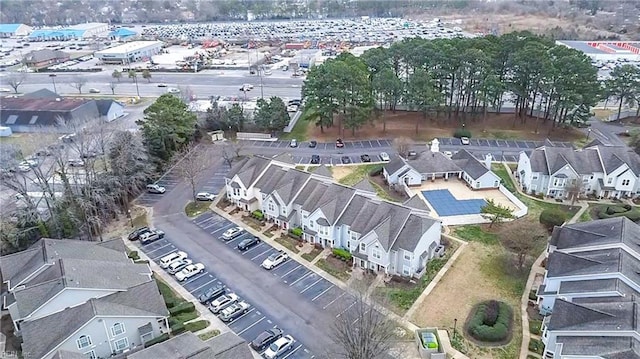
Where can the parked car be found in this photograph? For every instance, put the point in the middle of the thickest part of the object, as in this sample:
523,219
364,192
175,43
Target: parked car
275,260
154,188
447,153
232,233
24,168
365,158
205,196
292,108
246,87
313,144
384,156
173,90
162,85
279,347
293,143
151,236
75,162
265,338
178,265
210,294
189,271
412,154
345,160
166,261
315,159
339,143
222,302
43,152
135,235
234,311
94,90
295,102
464,140
248,243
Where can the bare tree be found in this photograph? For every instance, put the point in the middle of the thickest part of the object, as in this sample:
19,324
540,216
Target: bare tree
112,86
15,79
186,94
193,165
363,331
401,145
231,151
78,82
522,238
575,189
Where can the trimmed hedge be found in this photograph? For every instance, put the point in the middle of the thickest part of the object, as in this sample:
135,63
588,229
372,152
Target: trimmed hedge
257,214
552,217
480,328
197,325
134,255
177,328
462,132
296,231
618,210
157,340
342,254
182,308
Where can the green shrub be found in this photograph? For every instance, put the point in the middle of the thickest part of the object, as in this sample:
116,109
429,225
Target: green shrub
197,325
172,302
134,255
296,231
257,214
490,333
536,346
462,132
157,340
552,217
177,328
532,295
491,313
535,326
182,308
611,210
342,254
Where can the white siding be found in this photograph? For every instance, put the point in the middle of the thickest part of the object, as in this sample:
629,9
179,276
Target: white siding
488,180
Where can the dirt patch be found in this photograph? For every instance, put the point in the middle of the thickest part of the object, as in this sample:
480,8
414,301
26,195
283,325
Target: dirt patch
340,172
395,195
403,124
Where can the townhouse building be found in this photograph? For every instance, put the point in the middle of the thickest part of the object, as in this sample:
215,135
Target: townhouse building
398,239
72,297
590,289
597,169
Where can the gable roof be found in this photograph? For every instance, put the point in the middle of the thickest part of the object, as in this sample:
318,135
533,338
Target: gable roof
599,232
607,261
609,347
412,231
46,111
433,162
42,93
284,181
417,203
469,164
249,169
285,158
323,171
44,55
42,335
365,186
396,162
593,158
188,346
605,316
104,105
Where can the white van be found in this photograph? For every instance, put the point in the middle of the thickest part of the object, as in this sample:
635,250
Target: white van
170,258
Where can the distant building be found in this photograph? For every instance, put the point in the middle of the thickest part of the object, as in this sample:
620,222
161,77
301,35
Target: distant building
122,34
45,57
110,110
606,50
129,52
8,30
91,29
77,32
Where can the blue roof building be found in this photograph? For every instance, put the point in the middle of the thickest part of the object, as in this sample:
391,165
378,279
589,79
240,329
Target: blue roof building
8,30
122,33
57,34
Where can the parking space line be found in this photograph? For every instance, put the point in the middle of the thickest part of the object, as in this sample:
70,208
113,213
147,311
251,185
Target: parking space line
200,287
194,278
333,301
198,223
347,308
284,275
309,287
249,327
261,254
254,247
293,351
153,250
301,278
320,295
164,254
243,315
225,227
363,315
244,236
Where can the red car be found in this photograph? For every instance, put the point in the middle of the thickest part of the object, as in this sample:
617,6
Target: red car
339,143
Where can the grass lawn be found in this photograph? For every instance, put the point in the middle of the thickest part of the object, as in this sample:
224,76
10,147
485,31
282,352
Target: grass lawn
586,215
289,243
476,233
193,209
197,325
302,128
536,207
311,255
172,299
209,335
501,172
327,267
358,173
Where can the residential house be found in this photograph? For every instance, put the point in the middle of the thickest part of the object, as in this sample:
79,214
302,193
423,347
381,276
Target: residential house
600,170
45,114
589,291
45,57
82,297
110,110
397,239
432,165
188,346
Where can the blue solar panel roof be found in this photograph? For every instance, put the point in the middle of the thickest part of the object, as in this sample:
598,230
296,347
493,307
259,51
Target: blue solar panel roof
445,204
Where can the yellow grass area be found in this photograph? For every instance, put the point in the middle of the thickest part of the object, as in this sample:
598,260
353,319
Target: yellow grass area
28,143
340,172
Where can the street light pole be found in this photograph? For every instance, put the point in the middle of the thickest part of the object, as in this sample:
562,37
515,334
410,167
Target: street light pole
455,322
53,79
588,134
135,79
261,84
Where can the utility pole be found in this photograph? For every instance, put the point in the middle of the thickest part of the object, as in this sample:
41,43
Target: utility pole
53,79
260,70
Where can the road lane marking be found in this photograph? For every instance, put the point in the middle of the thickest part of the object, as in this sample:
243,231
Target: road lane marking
347,308
333,301
284,275
194,278
314,283
249,327
164,254
320,295
260,254
301,278
200,287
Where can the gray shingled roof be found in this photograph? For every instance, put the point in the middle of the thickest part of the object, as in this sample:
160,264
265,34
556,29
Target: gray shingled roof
248,170
290,184
334,200
285,158
65,354
395,163
606,316
323,171
469,164
43,335
417,203
307,190
229,346
269,181
433,162
598,232
189,346
410,235
365,185
622,347
594,262
548,160
614,156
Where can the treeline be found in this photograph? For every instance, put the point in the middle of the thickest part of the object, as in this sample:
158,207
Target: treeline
461,79
77,188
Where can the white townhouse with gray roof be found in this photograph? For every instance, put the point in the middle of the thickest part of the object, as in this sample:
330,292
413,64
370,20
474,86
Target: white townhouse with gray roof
590,289
69,297
601,170
432,165
398,239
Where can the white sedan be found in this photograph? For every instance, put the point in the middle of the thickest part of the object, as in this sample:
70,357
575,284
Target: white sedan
275,260
384,156
189,271
464,140
279,347
205,196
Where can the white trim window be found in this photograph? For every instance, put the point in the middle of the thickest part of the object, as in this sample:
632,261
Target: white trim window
121,344
271,207
363,247
559,182
406,270
117,329
625,182
353,235
84,341
407,256
91,355
323,230
376,254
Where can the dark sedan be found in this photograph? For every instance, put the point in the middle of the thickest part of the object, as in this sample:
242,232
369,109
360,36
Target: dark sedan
211,294
315,159
248,243
345,160
135,235
265,338
313,144
365,158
